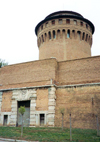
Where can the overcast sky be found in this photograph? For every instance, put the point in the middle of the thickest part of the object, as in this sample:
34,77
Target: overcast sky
18,18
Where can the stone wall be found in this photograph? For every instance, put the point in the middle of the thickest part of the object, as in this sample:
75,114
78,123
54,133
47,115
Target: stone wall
42,101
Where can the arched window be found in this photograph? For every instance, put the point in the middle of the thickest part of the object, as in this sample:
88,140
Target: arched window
54,34
63,31
79,34
89,40
49,35
68,34
87,26
86,37
83,36
42,39
58,33
73,33
45,36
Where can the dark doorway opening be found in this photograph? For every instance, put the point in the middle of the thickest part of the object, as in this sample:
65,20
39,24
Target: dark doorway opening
5,120
26,116
42,119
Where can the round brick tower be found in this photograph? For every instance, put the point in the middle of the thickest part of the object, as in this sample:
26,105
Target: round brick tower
65,35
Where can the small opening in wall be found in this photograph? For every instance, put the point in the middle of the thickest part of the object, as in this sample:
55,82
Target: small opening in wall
67,21
81,23
79,34
46,24
42,116
5,120
45,36
73,33
68,34
49,35
53,22
83,36
63,32
75,22
42,27
42,39
60,21
86,37
87,26
54,34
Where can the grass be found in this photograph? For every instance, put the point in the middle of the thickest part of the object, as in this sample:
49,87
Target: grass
49,134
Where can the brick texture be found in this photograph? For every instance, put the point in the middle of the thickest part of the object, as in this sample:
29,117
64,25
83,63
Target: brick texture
42,100
61,47
28,74
6,101
79,71
82,103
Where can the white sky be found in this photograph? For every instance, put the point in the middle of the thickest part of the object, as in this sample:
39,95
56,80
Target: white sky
18,18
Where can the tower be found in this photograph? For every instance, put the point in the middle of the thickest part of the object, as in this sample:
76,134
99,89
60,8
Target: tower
65,35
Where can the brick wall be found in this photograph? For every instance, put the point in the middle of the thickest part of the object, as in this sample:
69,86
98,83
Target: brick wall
42,100
40,72
79,71
60,46
83,104
64,49
28,73
6,101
